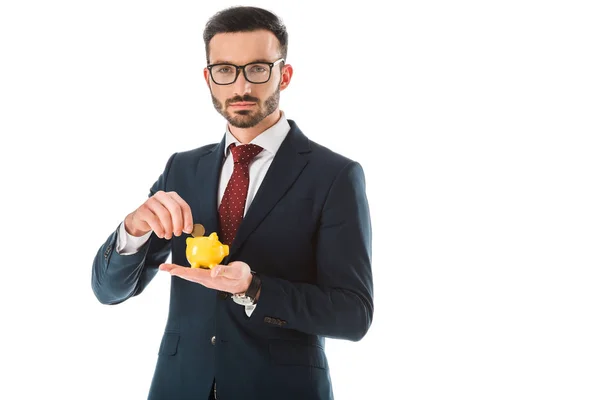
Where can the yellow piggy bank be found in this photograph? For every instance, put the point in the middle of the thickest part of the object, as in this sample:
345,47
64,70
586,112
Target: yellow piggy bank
205,251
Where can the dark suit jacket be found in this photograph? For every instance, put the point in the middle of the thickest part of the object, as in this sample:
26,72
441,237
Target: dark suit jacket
307,233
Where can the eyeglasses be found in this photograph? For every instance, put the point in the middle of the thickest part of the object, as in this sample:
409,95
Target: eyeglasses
255,72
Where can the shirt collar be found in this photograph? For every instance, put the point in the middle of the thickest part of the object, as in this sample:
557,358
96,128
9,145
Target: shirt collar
270,139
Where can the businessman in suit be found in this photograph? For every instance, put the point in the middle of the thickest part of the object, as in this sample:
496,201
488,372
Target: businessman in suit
295,215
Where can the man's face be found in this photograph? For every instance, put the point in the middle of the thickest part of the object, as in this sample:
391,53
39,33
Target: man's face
242,103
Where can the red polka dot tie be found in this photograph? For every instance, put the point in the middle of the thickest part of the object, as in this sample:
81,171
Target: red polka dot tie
231,210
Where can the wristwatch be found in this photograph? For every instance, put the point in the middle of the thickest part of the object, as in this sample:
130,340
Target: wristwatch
249,297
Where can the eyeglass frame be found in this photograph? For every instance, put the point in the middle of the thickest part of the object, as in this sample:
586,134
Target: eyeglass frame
243,68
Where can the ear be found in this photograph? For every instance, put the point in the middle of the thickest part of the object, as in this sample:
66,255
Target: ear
286,76
207,77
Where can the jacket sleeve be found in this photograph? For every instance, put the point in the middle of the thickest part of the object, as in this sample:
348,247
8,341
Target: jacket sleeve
340,304
117,277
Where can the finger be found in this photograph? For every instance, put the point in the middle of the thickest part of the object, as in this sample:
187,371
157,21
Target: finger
174,210
168,267
201,276
163,215
186,211
197,275
174,207
147,215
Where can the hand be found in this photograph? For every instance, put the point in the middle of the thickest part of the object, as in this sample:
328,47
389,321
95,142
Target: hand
165,213
232,278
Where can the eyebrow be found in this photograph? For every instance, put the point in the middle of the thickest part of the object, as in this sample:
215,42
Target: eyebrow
260,60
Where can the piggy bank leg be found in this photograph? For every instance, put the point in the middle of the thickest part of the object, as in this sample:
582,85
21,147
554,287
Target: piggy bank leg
195,265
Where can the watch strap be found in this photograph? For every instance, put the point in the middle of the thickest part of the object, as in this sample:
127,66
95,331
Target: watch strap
252,290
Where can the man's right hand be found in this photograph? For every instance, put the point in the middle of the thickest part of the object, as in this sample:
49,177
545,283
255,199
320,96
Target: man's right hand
165,213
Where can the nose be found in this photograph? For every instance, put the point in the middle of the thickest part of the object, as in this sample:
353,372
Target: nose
241,86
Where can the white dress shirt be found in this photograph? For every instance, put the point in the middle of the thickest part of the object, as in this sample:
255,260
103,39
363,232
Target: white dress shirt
269,140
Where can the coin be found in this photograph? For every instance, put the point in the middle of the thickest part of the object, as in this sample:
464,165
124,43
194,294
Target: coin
198,230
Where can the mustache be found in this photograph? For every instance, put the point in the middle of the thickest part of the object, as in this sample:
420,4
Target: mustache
239,99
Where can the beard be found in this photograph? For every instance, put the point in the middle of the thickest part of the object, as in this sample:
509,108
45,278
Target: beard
247,118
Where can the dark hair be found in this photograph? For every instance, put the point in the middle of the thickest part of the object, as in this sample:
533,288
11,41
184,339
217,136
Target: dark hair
245,19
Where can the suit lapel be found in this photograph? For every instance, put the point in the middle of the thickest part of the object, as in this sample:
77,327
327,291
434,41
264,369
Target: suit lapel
287,165
208,174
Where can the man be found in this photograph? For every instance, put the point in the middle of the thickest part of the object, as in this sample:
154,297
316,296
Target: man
295,216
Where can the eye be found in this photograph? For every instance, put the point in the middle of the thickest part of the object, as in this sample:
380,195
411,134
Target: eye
258,68
224,69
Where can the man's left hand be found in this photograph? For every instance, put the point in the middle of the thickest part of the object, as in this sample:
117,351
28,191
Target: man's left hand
232,278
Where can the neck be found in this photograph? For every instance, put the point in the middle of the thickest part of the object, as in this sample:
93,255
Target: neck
246,135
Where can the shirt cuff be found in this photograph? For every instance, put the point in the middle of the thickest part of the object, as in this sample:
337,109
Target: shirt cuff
250,309
128,244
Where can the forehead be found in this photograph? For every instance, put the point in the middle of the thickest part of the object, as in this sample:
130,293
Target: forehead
243,47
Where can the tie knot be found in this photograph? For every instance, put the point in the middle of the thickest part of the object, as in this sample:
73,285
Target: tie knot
244,153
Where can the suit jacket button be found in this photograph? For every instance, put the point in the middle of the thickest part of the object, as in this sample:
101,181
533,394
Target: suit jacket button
213,340
107,251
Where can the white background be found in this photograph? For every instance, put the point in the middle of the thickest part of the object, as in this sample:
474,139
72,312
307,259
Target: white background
477,125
